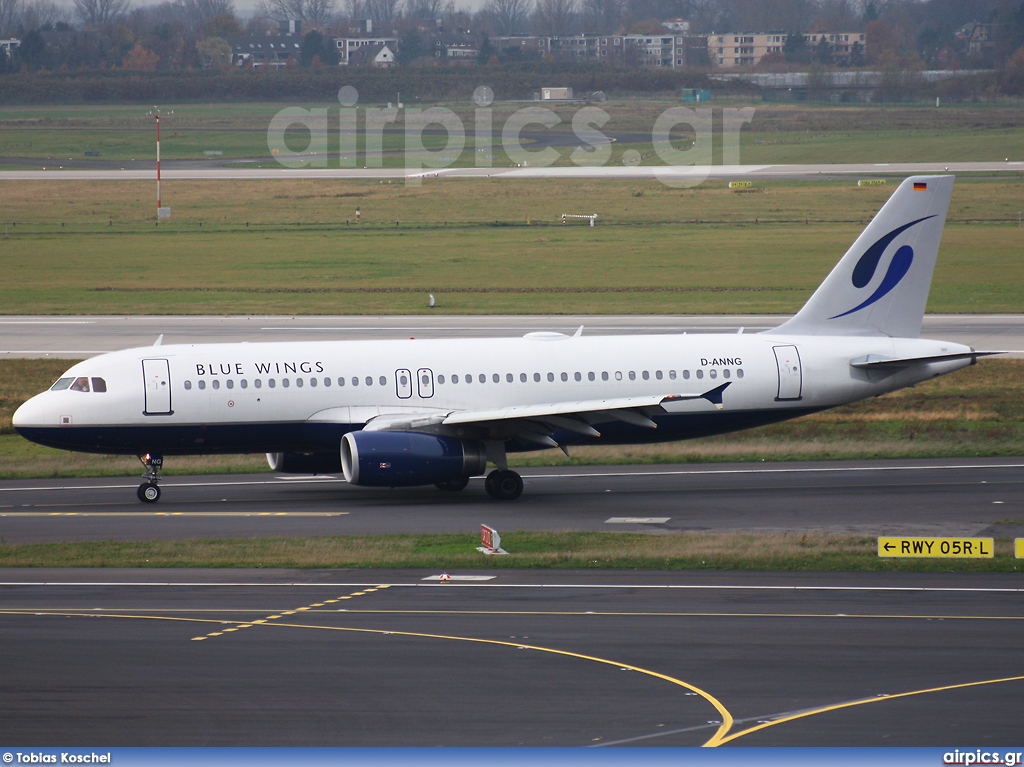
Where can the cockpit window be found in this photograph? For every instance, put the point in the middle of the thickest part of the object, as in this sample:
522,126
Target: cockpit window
62,384
80,384
98,384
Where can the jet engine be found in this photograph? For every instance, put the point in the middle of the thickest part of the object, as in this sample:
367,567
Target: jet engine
406,459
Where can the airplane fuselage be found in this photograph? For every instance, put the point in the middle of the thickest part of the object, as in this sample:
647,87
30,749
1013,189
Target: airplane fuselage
193,399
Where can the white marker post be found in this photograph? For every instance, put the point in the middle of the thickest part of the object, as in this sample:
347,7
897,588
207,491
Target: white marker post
161,212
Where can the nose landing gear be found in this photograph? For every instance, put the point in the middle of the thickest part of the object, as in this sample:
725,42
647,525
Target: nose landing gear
149,491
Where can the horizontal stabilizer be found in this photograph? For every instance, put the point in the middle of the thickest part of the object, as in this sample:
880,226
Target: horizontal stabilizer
876,361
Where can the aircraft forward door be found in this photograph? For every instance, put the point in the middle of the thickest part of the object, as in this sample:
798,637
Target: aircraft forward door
425,381
156,376
791,378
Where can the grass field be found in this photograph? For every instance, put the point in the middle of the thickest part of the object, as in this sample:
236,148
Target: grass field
978,411
481,246
777,133
580,550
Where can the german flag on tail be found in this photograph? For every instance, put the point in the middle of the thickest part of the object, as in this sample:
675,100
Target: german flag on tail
920,186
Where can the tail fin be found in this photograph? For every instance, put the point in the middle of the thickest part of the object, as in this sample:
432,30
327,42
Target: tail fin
881,285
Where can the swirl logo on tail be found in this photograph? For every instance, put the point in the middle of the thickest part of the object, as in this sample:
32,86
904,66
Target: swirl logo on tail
866,267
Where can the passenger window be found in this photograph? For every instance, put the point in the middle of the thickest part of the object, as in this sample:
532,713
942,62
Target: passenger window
658,375
565,376
672,374
298,382
327,381
536,377
604,375
258,383
632,375
686,374
646,376
551,377
578,376
726,373
312,382
230,384
496,378
341,381
440,379
98,384
508,378
244,383
700,374
483,378
455,378
80,384
618,375
383,381
591,376
62,384
522,378
285,383
215,384
188,386
739,373
714,374
202,384
369,381
355,381
469,378
271,383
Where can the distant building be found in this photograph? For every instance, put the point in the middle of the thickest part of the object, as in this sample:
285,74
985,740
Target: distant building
975,40
9,44
746,49
264,51
351,49
555,94
379,56
674,51
677,24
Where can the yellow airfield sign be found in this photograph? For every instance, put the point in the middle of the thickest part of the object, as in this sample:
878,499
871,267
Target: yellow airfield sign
1018,548
960,548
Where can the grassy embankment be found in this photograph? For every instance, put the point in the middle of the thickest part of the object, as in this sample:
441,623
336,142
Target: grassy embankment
684,551
487,246
778,133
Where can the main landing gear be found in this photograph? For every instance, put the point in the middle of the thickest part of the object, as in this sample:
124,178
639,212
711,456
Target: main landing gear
149,491
503,485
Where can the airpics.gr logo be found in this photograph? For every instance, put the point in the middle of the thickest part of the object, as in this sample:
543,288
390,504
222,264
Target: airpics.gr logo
866,267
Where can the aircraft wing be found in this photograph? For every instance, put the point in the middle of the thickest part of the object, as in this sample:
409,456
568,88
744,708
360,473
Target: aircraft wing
537,423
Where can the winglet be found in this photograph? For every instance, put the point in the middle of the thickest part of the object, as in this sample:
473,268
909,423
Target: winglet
159,341
578,333
715,395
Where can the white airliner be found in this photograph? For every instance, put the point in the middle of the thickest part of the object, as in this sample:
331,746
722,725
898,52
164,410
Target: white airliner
421,412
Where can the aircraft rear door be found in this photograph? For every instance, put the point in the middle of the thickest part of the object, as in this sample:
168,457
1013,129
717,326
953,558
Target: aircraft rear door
425,381
791,377
156,376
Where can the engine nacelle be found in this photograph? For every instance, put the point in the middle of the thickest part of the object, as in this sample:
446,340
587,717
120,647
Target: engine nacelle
305,463
406,459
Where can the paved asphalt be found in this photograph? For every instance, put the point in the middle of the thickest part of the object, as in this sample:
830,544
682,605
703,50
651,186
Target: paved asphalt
913,497
77,337
113,658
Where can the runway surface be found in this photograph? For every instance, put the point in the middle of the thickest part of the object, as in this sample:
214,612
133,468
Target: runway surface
77,337
671,173
958,497
114,658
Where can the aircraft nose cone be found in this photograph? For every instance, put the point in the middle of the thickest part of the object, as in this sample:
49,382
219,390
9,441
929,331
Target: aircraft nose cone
32,413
